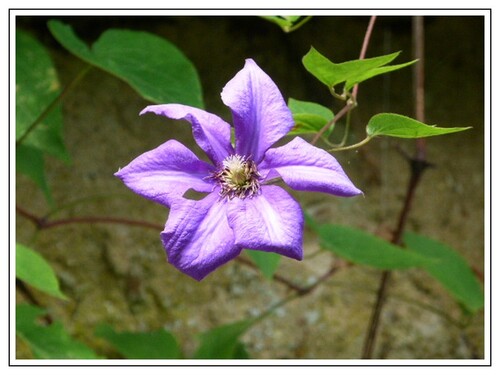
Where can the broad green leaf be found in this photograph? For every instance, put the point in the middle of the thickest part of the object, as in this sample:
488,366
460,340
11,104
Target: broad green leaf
309,117
33,269
452,271
36,88
266,261
154,67
394,125
351,72
159,344
29,161
222,342
362,248
300,106
50,341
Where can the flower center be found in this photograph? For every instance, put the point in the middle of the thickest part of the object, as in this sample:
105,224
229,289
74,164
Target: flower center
238,177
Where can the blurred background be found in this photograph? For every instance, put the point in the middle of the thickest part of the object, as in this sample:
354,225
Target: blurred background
118,274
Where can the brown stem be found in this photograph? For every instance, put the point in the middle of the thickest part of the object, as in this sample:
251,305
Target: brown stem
102,220
44,223
352,101
364,48
299,289
276,277
417,168
418,79
321,279
337,117
417,165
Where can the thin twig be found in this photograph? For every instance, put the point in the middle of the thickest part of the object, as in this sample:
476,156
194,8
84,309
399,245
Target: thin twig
346,130
330,123
44,223
276,277
364,48
369,345
352,102
419,78
352,147
417,165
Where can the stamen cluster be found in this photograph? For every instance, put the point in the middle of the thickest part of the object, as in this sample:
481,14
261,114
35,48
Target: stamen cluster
238,177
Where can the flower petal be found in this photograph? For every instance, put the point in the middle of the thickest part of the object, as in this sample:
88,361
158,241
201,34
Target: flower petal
306,167
166,173
271,221
197,236
211,132
260,114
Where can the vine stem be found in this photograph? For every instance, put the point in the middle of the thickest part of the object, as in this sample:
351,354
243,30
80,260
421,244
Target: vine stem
364,48
337,117
54,103
417,166
351,147
352,102
43,223
299,292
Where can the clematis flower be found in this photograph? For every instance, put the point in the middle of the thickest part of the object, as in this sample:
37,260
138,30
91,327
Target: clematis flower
242,209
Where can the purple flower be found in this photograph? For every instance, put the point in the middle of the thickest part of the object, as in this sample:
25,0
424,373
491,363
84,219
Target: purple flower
241,210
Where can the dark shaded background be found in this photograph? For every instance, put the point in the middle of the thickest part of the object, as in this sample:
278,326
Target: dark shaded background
118,274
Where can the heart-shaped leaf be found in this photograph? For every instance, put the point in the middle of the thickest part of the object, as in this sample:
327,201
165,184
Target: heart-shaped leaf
153,66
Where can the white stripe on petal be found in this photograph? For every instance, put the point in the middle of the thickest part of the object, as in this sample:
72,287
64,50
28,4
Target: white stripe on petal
270,221
306,167
166,173
197,236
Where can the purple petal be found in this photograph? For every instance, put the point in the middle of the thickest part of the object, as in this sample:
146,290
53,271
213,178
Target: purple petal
197,236
260,114
305,167
166,173
271,221
211,132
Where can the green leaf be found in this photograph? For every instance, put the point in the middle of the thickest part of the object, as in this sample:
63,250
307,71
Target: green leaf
351,72
222,342
159,344
363,76
51,341
33,269
309,117
240,351
266,261
394,125
154,67
287,23
362,248
29,161
452,271
310,222
36,88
